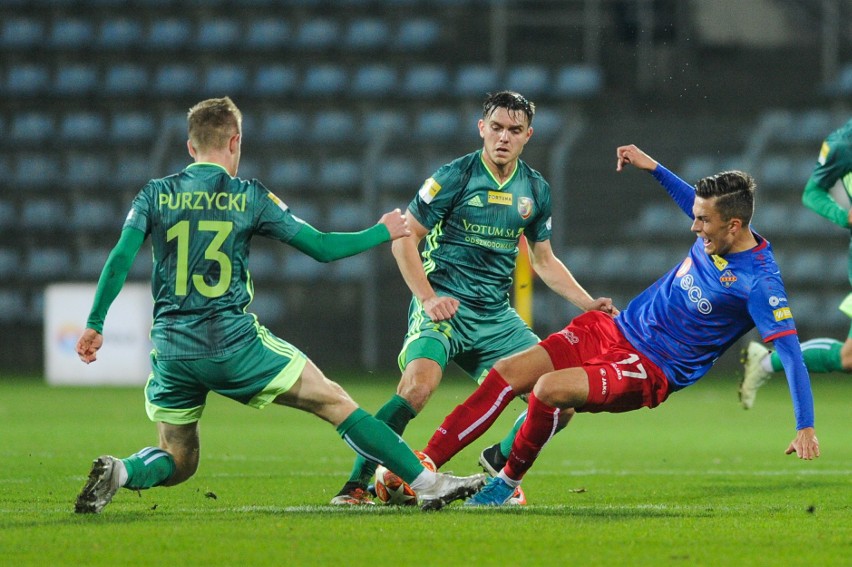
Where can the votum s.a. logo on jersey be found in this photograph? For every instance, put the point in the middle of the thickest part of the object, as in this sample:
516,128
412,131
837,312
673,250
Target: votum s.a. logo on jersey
727,278
525,207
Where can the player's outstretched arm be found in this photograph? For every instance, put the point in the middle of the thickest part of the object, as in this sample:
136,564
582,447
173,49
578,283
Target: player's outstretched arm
330,246
632,155
805,445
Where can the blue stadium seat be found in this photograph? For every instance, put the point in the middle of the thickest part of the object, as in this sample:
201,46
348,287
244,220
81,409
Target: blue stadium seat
378,122
348,216
317,34
417,34
423,81
284,126
366,34
82,127
339,174
266,263
218,34
776,171
76,79
126,79
48,263
169,34
291,174
324,80
131,171
143,265
8,215
132,127
12,301
21,33
44,214
87,170
32,127
275,80
90,262
299,267
34,170
10,262
27,79
547,124
333,126
374,80
223,80
71,33
578,81
398,174
305,210
120,33
530,80
268,33
269,307
95,215
436,124
176,79
844,80
250,168
476,80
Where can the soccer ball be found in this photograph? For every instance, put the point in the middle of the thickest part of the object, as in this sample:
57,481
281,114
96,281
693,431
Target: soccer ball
392,490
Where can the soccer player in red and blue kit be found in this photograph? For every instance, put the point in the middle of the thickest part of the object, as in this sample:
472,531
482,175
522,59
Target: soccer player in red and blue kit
666,339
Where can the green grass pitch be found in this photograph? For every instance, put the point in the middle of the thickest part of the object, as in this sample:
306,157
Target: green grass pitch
698,481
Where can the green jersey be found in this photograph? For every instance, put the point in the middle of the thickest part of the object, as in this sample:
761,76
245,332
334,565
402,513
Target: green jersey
475,224
834,163
201,222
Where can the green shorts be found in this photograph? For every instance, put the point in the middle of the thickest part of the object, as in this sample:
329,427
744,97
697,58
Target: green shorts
473,340
255,375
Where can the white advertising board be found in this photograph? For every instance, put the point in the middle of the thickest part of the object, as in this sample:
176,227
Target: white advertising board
124,357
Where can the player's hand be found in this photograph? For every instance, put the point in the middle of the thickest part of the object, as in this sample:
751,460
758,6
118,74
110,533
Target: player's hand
396,223
89,344
441,308
603,304
805,445
635,157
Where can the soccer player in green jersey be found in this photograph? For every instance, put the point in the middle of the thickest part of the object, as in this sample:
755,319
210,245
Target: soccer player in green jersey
200,222
472,213
822,354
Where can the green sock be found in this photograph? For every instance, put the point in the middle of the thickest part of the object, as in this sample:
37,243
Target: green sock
821,356
396,413
506,443
149,467
374,441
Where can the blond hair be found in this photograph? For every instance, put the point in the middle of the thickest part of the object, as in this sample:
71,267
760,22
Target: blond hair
212,122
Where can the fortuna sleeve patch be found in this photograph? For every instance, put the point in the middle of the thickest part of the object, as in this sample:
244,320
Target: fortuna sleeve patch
428,190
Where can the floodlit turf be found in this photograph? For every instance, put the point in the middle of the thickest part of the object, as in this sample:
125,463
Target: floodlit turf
698,481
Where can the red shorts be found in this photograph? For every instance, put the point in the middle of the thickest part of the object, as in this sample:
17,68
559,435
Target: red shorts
620,377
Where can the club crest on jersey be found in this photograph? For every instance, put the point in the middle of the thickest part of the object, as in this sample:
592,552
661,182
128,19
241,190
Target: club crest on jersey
525,207
684,268
728,278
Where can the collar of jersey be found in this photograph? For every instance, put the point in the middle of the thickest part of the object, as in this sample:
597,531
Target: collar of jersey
201,163
491,175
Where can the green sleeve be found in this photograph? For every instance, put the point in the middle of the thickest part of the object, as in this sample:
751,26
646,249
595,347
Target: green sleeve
328,246
819,200
113,275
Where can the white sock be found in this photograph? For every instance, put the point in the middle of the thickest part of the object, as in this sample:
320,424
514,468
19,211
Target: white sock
510,481
424,479
766,363
122,472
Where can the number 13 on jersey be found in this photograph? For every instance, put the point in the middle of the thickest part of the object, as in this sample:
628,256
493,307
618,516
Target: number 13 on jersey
182,233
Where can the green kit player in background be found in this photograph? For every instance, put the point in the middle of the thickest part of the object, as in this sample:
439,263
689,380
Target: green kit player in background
472,213
822,354
201,222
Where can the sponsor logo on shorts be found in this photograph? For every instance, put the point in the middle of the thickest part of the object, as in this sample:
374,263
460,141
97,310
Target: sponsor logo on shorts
499,198
525,207
603,382
570,337
782,313
728,278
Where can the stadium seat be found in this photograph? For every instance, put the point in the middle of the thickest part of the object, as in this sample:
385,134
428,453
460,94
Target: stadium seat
353,268
142,265
275,80
305,210
436,124
324,80
661,219
375,81
339,174
77,79
423,81
31,127
349,215
27,79
389,122
120,33
131,171
475,80
284,126
218,34
224,80
417,34
299,267
317,34
34,170
530,80
71,33
82,127
776,171
547,124
251,168
90,262
366,34
844,80
126,79
290,175
270,308
175,79
21,33
132,127
8,215
10,262
87,170
12,301
268,33
398,174
266,263
95,215
169,34
44,214
333,127
577,81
